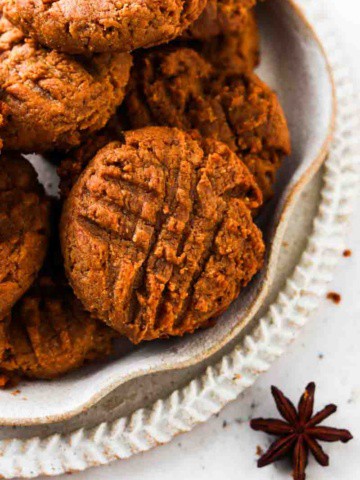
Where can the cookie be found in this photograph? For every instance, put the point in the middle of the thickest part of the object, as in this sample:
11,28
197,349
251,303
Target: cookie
24,229
81,26
221,17
177,87
54,101
48,333
157,233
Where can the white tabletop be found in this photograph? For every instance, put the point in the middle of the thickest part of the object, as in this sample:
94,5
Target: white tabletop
327,351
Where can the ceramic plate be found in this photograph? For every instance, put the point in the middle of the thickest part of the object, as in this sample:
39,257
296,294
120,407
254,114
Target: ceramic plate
294,64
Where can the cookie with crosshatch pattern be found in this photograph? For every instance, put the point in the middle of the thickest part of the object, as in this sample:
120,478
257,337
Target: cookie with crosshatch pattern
157,233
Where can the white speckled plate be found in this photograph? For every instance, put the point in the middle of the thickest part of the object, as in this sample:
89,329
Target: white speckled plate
294,64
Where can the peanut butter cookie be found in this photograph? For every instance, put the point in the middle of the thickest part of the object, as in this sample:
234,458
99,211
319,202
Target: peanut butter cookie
24,229
54,100
177,87
83,26
48,333
157,233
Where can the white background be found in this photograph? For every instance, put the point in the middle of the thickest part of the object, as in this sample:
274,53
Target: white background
327,351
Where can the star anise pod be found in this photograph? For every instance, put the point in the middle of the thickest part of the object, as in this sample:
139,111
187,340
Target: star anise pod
299,433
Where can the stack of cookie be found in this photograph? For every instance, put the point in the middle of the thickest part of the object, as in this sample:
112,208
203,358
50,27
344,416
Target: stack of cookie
168,145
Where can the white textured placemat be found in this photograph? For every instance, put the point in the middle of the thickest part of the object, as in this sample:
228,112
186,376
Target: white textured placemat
207,394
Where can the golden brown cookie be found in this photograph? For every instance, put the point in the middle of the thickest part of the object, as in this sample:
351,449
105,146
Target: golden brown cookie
177,87
83,26
220,17
48,333
24,229
54,100
157,233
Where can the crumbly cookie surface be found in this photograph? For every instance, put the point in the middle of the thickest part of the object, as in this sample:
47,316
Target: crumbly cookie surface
24,229
177,87
48,333
75,161
54,100
83,26
236,51
157,233
221,17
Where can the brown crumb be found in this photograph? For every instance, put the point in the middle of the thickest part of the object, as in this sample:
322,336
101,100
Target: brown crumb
9,382
259,451
347,253
16,392
4,380
334,297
